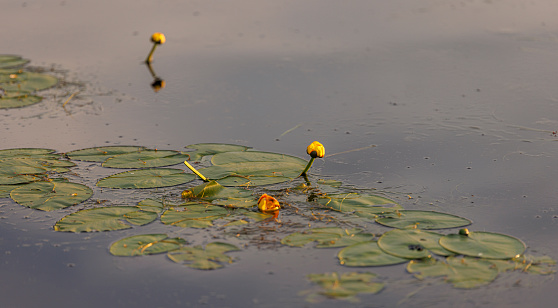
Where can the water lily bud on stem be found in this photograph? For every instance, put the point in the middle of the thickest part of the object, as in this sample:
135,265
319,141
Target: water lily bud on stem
157,38
267,203
315,149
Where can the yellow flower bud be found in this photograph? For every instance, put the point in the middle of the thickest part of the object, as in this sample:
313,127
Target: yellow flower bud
158,38
267,203
316,149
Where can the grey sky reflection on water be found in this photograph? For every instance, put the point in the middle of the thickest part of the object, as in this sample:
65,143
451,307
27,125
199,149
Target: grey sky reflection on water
468,85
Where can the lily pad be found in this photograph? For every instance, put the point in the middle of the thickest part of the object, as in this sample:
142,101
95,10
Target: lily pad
50,196
5,190
327,237
219,195
18,101
367,254
151,205
346,285
33,152
7,61
461,272
145,159
100,154
544,265
104,219
205,149
146,244
484,245
28,82
364,205
412,243
193,215
426,220
253,168
147,178
209,258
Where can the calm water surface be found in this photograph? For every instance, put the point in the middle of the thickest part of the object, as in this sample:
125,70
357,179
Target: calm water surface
459,99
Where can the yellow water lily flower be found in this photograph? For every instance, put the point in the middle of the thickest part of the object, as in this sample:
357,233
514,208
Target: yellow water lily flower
267,203
158,38
316,149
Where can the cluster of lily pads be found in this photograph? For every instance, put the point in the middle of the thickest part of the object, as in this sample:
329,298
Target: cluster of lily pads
18,85
234,177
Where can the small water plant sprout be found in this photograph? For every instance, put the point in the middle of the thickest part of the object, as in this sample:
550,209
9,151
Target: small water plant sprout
157,38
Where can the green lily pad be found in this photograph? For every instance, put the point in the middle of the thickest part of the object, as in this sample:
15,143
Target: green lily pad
367,254
544,265
104,219
426,220
145,159
461,272
5,190
346,285
50,196
327,237
18,101
100,154
8,61
145,244
412,243
205,190
151,205
205,149
484,245
219,195
147,178
28,82
26,152
193,215
253,168
209,258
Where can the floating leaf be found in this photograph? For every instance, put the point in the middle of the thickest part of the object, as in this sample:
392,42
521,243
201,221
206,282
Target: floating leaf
28,82
146,244
461,272
18,101
368,206
49,196
212,257
205,190
147,178
205,149
150,205
7,61
346,285
253,168
367,254
544,265
193,215
145,159
327,237
104,219
412,243
100,154
5,190
33,152
484,245
219,195
426,220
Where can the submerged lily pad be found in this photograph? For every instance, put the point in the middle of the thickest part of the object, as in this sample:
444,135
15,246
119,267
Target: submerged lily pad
145,244
253,168
364,205
100,154
50,196
367,254
147,178
104,219
484,245
346,285
461,272
145,159
427,220
7,61
193,215
412,243
544,265
205,149
327,237
209,258
28,82
18,101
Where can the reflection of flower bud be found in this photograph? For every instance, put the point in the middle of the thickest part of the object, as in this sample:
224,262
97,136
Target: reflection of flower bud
316,149
158,38
158,84
267,203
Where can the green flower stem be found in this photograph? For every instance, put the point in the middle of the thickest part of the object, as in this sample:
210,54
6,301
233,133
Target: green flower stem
196,171
310,162
150,56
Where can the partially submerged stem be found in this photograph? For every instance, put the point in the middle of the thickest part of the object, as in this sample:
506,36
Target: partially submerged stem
150,56
310,162
196,171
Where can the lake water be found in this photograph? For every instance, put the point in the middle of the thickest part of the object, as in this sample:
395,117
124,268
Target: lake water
459,100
